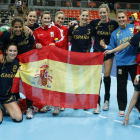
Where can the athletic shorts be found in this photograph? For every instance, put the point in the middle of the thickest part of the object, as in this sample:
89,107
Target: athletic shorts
7,99
108,56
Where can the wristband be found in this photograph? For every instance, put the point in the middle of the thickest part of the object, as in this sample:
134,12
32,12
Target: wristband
1,52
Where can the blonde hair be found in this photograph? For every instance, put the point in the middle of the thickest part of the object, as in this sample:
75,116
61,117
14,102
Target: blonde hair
84,10
104,6
59,12
46,12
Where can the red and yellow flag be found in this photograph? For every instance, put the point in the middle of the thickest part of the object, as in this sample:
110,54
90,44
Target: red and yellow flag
60,78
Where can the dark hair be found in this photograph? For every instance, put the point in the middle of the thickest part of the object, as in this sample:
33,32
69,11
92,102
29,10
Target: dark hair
121,11
30,10
10,43
16,20
13,23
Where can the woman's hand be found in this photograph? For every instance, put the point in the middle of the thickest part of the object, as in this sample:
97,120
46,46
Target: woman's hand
38,46
52,44
126,120
1,58
108,52
28,30
102,43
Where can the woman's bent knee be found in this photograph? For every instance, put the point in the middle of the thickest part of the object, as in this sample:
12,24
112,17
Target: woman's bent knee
18,120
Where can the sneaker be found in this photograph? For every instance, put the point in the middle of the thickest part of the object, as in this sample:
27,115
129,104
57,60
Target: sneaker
62,109
45,108
106,105
56,111
121,113
29,113
97,110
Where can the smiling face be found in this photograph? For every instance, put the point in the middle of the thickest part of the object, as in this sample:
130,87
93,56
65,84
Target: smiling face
59,19
103,13
17,28
11,53
46,19
31,18
122,19
84,18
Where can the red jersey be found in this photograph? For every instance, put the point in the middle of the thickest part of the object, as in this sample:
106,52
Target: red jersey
64,31
138,64
49,34
136,23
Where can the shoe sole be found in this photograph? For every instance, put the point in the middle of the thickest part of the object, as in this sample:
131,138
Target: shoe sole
43,111
55,114
28,118
121,115
62,110
96,113
105,109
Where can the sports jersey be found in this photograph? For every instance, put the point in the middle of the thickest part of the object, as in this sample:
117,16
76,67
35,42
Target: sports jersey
64,31
118,37
7,73
81,37
47,35
22,41
35,26
103,31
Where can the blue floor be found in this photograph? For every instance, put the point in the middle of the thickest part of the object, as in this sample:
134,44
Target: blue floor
76,124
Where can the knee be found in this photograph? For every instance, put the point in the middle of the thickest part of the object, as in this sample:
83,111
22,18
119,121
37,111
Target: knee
1,120
18,119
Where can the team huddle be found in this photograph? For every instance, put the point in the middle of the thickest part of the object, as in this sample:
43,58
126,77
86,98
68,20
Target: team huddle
109,37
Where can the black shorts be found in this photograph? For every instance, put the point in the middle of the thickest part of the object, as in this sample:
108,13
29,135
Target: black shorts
7,99
108,56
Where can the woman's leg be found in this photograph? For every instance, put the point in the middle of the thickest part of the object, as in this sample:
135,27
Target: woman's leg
107,80
14,111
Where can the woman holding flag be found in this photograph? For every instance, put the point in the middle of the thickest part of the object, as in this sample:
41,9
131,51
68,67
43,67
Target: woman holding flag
8,70
24,42
103,29
47,34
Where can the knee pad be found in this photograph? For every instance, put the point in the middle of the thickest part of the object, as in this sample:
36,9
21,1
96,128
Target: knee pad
17,121
1,121
136,87
107,79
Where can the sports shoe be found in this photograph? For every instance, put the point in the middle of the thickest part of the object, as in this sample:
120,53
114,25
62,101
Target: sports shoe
97,110
62,109
121,113
106,105
29,113
56,111
45,108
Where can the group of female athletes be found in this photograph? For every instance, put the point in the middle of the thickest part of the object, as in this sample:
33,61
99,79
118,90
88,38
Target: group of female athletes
17,40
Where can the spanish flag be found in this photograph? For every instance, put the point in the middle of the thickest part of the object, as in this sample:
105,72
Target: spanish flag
60,78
